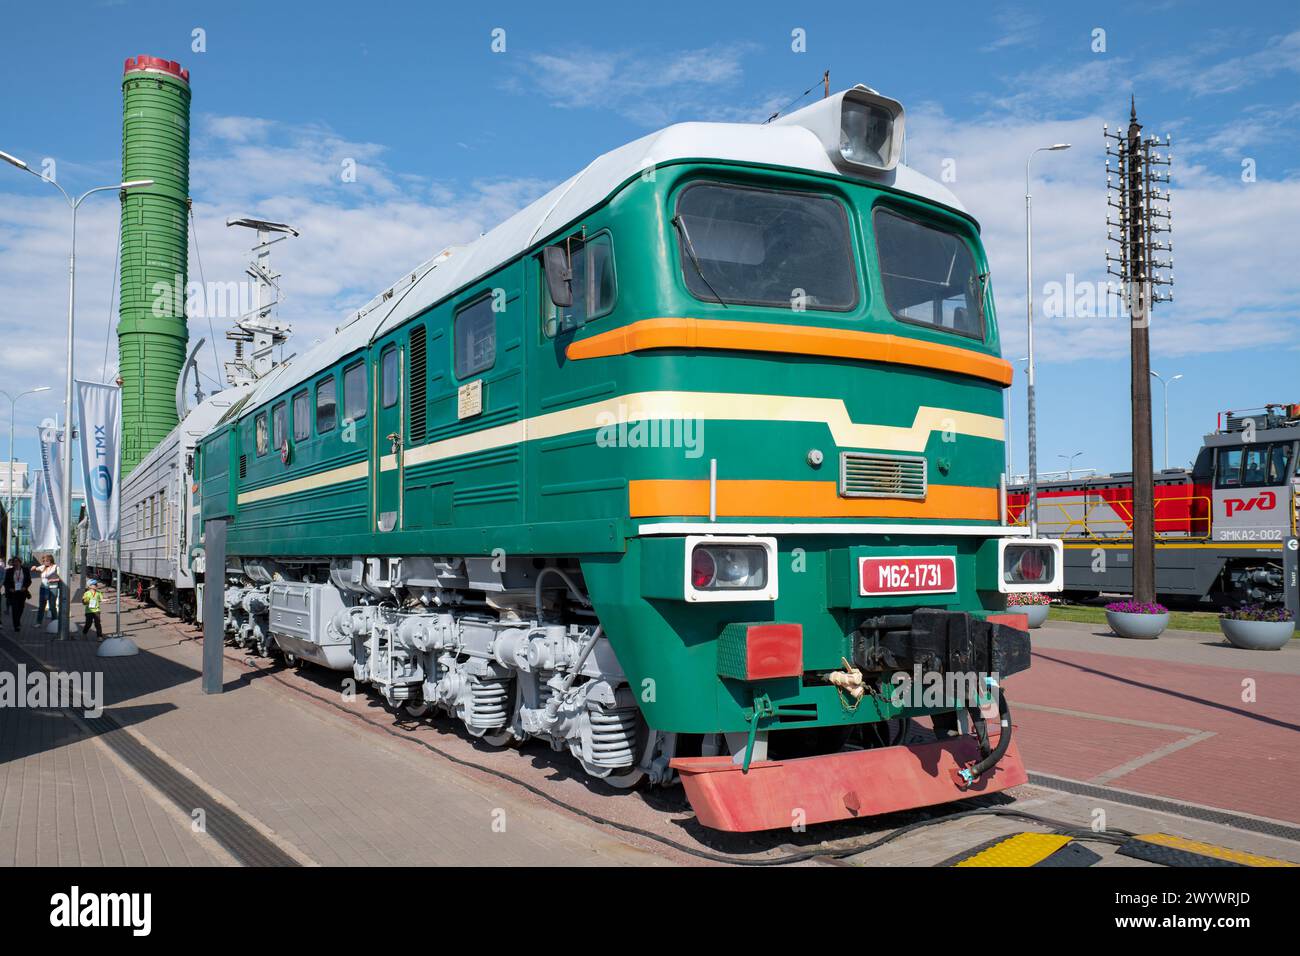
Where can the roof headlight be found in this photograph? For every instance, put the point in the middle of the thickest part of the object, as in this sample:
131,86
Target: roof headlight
860,129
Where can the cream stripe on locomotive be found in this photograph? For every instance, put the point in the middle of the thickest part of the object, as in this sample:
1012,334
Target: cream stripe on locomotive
713,406
646,406
307,483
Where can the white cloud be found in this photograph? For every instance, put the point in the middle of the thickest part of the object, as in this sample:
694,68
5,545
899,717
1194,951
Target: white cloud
650,88
1016,28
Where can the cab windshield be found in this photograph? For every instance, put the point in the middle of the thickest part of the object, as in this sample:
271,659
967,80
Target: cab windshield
765,247
929,275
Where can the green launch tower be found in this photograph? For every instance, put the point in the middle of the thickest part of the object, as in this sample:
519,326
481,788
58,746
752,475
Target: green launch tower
151,330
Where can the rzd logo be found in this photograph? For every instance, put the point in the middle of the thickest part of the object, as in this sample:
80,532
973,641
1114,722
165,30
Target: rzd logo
1265,501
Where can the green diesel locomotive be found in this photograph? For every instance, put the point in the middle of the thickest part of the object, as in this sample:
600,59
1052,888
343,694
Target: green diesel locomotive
678,469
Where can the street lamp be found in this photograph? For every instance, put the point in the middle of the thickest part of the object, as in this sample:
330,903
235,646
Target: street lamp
1166,385
1029,284
9,508
65,531
1069,464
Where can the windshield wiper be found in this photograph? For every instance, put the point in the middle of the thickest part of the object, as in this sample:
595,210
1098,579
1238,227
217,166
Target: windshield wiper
695,260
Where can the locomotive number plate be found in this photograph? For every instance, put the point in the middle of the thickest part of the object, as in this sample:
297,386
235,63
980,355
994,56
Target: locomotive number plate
928,575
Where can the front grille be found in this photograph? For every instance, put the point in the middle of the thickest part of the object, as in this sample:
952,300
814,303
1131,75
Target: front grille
864,475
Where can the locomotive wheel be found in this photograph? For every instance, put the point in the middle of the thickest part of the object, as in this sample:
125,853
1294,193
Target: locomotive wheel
627,779
416,708
497,739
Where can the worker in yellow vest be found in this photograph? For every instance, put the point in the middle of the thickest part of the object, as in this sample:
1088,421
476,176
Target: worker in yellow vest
93,598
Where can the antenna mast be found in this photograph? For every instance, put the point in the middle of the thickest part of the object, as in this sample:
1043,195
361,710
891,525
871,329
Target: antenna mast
259,329
1143,212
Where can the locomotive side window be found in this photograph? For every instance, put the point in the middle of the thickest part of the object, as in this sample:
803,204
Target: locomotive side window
326,406
476,338
1279,460
301,417
1229,468
388,376
765,247
354,391
259,429
1255,468
593,285
277,425
929,275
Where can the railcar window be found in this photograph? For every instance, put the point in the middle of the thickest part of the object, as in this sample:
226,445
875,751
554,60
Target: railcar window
476,338
277,425
929,275
354,391
765,247
259,429
326,405
301,417
594,285
388,375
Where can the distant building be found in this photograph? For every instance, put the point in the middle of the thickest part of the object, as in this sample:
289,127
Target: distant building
20,543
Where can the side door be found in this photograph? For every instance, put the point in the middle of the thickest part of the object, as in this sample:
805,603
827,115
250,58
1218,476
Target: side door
389,428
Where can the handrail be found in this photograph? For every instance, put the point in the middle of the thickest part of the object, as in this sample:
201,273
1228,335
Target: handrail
1122,512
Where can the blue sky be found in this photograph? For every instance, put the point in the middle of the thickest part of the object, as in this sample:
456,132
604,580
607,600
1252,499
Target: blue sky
449,137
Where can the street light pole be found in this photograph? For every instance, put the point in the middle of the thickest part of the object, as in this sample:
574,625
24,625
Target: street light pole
1166,385
65,530
1032,411
1069,464
9,508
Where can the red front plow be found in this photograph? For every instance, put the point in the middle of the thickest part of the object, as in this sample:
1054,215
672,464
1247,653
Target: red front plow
780,793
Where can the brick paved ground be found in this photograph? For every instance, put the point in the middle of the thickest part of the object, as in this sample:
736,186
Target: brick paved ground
325,792
1164,717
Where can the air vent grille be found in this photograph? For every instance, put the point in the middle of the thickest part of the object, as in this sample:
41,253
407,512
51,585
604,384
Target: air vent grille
243,466
864,475
419,384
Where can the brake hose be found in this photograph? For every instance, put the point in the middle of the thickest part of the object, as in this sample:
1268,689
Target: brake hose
989,761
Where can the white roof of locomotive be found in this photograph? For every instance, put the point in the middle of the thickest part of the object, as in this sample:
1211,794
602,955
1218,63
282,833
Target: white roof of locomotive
791,146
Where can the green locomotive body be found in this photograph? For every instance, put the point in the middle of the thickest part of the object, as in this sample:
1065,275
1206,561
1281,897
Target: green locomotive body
706,427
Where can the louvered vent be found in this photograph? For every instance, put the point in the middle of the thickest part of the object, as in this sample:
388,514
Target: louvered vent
881,476
243,465
419,384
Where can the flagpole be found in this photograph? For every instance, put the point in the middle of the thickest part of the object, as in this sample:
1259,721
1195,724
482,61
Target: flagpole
117,538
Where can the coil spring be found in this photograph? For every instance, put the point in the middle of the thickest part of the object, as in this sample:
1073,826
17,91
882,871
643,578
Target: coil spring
613,737
489,706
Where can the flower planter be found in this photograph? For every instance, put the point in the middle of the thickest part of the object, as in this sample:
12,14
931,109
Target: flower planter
1257,635
1036,613
1142,627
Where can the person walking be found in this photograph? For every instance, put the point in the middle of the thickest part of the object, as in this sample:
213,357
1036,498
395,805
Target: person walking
93,599
17,588
49,594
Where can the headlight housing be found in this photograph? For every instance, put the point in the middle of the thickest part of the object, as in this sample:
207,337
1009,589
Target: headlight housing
730,569
1030,565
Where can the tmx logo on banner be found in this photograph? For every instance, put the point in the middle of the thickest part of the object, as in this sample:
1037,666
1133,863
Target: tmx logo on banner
99,414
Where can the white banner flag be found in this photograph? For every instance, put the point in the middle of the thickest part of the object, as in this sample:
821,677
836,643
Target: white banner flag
43,536
99,416
52,471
